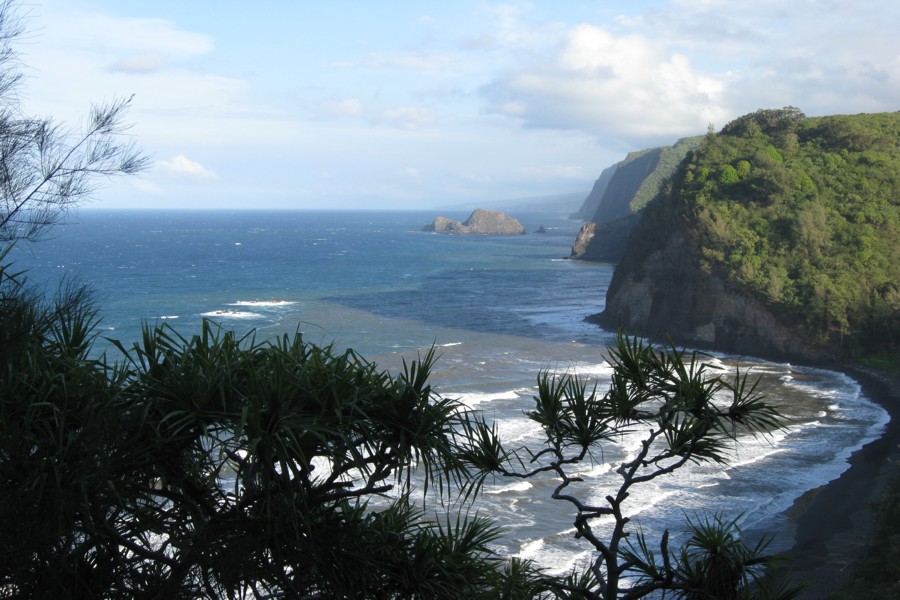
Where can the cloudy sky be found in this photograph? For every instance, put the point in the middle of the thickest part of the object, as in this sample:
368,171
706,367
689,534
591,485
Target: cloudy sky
402,104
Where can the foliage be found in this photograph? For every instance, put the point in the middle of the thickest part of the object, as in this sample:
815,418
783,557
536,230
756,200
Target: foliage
45,168
687,417
218,467
803,213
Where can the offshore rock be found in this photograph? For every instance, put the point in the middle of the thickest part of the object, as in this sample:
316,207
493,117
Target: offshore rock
480,222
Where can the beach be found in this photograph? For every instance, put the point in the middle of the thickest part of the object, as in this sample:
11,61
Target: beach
835,523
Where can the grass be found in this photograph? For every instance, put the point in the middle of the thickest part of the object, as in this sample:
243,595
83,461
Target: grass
888,361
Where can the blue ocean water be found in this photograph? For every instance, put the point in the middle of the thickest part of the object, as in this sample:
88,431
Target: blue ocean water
499,309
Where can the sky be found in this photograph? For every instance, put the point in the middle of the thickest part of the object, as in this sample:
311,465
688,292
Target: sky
414,105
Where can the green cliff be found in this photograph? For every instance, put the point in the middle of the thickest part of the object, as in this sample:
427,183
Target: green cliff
778,235
619,194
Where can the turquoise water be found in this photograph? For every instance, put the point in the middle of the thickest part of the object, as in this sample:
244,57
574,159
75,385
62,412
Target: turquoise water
499,309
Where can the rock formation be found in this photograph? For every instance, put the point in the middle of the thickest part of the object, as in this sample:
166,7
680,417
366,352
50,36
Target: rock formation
480,222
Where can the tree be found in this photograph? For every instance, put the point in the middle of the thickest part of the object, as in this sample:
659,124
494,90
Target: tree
678,403
45,168
219,467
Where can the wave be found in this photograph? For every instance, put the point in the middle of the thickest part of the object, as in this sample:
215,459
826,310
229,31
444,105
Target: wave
263,303
473,399
519,486
231,314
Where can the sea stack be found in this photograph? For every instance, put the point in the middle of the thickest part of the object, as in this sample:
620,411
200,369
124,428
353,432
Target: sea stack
480,222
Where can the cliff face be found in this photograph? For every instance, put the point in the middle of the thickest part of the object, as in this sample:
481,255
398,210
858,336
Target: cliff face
480,222
592,202
667,295
625,183
620,194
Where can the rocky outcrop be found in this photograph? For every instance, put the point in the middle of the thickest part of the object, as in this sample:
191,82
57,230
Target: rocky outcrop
603,242
480,222
667,295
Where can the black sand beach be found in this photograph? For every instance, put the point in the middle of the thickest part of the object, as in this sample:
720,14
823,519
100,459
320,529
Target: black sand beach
836,522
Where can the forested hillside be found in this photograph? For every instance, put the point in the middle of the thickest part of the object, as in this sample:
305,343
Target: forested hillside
803,214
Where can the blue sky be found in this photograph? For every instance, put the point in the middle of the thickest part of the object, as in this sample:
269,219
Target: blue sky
415,104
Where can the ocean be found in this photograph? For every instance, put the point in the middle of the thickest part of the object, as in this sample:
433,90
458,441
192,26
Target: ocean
498,310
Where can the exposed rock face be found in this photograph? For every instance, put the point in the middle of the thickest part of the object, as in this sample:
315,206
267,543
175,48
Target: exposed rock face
667,295
480,222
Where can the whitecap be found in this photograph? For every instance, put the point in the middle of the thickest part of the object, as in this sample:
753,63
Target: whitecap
473,399
231,314
263,303
530,549
519,486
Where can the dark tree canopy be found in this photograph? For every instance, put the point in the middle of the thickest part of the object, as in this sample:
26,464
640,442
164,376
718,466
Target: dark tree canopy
803,213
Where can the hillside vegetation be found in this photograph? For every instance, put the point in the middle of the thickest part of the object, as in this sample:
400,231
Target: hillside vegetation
802,213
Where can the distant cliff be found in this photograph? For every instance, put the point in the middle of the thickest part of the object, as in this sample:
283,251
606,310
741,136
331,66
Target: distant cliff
620,193
780,235
590,205
480,222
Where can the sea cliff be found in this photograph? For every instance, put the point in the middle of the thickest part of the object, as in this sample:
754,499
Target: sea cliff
619,195
775,237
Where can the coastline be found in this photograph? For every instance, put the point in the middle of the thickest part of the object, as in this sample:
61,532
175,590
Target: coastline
835,523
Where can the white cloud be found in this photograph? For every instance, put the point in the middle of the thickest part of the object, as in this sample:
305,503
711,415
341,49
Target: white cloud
109,33
181,167
610,85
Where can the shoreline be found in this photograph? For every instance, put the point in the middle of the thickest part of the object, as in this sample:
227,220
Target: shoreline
835,523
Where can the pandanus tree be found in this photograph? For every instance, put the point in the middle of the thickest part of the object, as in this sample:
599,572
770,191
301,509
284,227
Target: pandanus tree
688,415
223,467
